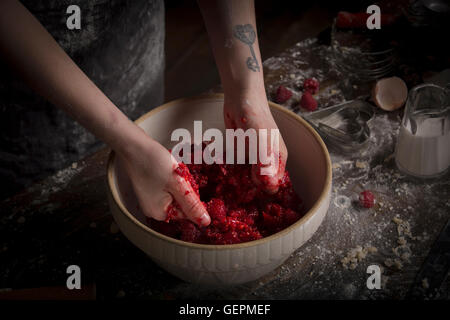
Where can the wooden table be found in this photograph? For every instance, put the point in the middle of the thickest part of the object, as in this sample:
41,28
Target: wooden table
65,219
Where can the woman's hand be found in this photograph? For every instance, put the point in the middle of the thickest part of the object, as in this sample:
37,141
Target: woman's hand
232,31
52,74
151,170
251,110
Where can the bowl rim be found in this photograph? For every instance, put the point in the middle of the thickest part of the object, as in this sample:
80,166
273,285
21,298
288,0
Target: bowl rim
115,194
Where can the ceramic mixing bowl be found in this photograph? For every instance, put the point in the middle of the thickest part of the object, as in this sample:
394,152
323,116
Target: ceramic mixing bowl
308,164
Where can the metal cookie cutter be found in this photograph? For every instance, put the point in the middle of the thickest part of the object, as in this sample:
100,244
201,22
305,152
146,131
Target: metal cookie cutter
344,126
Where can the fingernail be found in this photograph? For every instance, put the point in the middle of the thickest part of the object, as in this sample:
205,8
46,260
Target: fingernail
205,220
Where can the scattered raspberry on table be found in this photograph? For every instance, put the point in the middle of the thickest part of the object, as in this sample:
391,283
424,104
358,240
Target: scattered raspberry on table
366,199
283,94
240,211
311,85
308,102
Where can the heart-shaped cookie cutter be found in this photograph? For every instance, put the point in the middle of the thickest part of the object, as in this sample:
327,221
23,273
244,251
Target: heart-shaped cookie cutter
344,126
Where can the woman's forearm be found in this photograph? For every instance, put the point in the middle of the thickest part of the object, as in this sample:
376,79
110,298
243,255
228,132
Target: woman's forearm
42,63
232,31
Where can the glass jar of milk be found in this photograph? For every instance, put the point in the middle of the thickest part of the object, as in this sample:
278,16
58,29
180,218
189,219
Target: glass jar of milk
423,144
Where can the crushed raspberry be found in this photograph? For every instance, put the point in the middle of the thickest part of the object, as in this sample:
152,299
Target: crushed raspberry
283,94
366,199
164,227
189,231
308,102
171,211
311,85
240,211
216,209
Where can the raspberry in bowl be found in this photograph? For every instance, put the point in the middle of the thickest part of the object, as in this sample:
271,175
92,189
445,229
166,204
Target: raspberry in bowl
240,210
226,262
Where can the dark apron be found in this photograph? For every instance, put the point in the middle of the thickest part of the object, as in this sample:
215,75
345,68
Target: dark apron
120,47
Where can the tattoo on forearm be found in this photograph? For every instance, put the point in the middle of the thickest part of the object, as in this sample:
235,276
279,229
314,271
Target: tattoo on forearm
247,35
